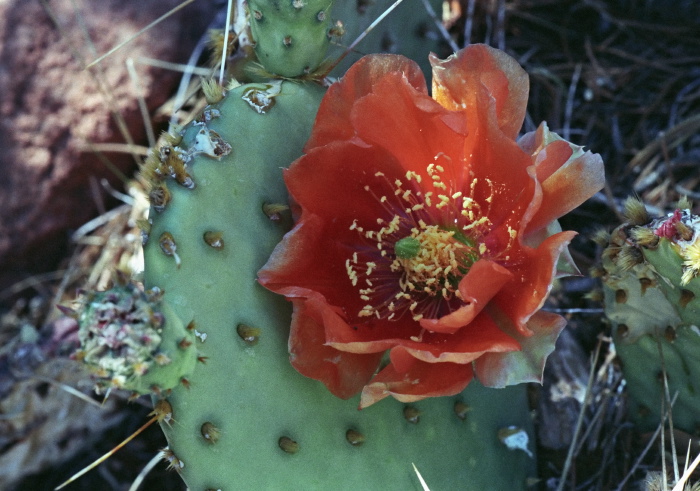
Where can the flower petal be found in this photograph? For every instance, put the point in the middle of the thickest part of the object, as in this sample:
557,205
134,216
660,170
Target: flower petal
501,172
520,299
565,265
421,380
502,369
481,335
460,78
333,117
343,373
568,175
411,126
483,280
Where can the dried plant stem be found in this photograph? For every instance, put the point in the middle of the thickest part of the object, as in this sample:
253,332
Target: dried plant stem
621,486
131,38
581,414
667,400
145,471
686,475
224,52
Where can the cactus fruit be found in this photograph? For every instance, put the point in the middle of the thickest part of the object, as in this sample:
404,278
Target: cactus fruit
291,36
652,298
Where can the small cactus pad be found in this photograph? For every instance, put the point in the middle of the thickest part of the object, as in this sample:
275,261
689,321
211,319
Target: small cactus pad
291,36
131,340
651,294
248,420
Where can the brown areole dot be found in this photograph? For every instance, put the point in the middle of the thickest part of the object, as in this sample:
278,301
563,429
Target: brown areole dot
274,210
411,414
215,239
686,297
210,432
250,335
172,460
288,445
354,437
461,409
169,247
670,334
159,197
620,296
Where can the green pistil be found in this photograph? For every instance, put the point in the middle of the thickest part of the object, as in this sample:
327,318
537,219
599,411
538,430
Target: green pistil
472,256
407,248
460,237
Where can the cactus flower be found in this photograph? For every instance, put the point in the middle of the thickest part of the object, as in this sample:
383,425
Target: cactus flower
427,230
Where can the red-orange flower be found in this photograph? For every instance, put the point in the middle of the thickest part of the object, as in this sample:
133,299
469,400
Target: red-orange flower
426,230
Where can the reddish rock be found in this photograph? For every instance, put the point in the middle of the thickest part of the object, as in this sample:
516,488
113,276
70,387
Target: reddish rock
49,108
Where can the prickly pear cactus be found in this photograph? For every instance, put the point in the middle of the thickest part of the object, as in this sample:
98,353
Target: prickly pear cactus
652,297
247,419
242,417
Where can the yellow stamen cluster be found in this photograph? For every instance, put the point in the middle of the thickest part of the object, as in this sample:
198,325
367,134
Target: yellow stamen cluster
446,251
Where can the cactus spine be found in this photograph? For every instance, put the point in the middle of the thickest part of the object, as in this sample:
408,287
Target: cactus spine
652,298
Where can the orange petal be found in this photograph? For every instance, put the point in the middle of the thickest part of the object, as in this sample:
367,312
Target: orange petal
458,79
520,299
343,373
333,117
502,369
412,127
421,380
567,174
478,287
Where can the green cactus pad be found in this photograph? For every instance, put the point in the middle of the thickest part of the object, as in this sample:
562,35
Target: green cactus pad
652,302
408,30
291,36
248,420
643,372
